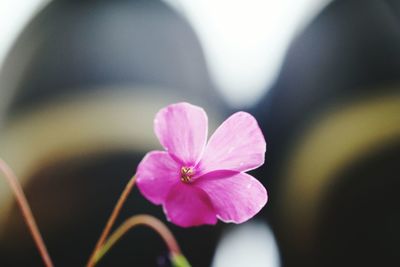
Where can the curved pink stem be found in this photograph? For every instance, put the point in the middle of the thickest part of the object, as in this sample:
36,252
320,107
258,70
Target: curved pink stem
111,220
26,212
132,222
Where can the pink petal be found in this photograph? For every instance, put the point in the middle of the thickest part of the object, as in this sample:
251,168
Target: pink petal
236,198
182,130
238,144
188,206
156,174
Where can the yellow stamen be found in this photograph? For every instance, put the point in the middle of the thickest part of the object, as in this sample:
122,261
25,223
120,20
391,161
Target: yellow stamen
186,174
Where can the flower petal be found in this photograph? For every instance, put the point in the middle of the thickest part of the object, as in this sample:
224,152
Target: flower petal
238,144
187,205
156,174
236,198
182,131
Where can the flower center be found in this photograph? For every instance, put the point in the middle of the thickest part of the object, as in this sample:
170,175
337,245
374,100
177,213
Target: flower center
186,174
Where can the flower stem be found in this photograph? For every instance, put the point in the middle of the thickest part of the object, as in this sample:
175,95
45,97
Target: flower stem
147,220
26,211
111,220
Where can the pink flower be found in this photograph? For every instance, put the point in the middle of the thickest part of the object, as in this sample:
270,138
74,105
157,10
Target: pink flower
195,182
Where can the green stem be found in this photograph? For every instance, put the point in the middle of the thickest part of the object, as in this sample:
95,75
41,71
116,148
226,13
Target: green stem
175,253
26,212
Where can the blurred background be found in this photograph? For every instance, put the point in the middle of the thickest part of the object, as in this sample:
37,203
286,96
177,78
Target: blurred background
81,81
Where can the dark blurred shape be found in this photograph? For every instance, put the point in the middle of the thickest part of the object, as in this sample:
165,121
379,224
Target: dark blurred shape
340,72
350,50
163,260
75,46
361,213
73,56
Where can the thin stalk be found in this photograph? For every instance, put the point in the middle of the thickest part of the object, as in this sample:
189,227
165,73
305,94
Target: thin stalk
26,212
134,221
111,220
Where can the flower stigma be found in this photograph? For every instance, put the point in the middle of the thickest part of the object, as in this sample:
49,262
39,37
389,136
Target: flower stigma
186,174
